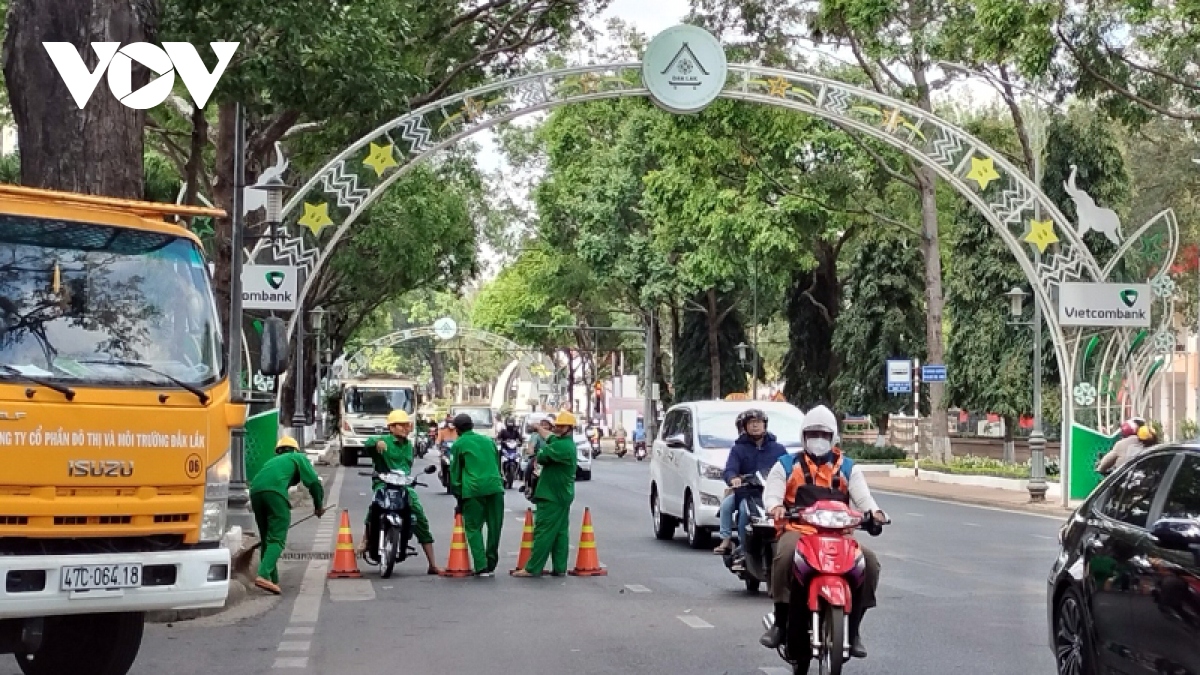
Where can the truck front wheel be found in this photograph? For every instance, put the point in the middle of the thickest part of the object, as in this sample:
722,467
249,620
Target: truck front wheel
101,644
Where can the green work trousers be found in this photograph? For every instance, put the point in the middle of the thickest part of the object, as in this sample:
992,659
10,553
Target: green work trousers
420,522
477,513
551,535
273,515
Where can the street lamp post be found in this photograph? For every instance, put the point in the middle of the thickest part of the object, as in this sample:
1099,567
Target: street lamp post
238,504
318,315
1037,440
754,374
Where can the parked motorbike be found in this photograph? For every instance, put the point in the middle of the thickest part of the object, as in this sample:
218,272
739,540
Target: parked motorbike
444,465
510,462
751,560
390,525
639,450
828,563
529,471
621,449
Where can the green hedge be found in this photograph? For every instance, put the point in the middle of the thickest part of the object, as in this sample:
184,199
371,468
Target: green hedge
866,453
970,465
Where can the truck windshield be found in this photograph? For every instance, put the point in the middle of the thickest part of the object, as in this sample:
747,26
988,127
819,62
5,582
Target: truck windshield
75,295
482,417
360,401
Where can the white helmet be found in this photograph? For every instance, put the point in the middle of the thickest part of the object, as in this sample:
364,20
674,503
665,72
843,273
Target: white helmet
822,419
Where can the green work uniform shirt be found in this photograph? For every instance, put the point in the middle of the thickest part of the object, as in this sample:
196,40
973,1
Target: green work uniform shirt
475,467
283,471
397,456
557,459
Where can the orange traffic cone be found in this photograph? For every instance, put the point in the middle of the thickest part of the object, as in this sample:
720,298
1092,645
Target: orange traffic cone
459,564
526,541
587,563
345,563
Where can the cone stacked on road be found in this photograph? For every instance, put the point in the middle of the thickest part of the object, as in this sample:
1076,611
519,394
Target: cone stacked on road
587,562
526,541
345,563
460,561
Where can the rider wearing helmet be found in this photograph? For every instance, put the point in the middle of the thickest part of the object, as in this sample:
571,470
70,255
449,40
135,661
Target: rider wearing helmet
510,432
394,452
820,472
273,511
755,451
1127,448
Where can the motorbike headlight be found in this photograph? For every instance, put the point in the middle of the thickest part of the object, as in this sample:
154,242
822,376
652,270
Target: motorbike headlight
830,520
712,471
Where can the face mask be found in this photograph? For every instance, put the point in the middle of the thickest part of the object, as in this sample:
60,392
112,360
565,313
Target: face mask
818,447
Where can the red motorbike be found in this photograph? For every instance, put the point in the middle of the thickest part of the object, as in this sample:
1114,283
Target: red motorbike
828,566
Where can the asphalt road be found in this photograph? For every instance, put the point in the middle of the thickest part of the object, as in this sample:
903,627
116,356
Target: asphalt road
962,590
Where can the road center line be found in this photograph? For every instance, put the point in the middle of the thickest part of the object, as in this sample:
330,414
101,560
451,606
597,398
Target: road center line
637,588
297,646
299,630
291,662
694,621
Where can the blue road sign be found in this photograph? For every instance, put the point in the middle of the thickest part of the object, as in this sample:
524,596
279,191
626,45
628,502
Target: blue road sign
899,376
933,373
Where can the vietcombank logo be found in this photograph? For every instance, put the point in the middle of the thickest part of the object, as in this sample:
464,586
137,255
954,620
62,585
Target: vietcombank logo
275,280
1128,297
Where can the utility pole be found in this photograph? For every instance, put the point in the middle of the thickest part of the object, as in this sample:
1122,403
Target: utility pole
648,386
239,495
754,376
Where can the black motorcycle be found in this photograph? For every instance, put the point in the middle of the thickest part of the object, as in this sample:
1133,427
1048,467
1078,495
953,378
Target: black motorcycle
444,465
421,446
639,450
751,560
510,461
390,524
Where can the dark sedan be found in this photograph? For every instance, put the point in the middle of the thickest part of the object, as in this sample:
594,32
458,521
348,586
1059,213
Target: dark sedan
1124,594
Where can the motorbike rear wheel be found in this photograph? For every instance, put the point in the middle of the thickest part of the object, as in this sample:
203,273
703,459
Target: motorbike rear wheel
752,584
388,550
833,640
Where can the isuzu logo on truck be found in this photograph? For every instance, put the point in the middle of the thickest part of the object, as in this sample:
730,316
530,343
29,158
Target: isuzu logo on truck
99,468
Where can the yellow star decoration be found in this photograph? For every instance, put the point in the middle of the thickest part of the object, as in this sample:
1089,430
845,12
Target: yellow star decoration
472,109
316,217
778,87
892,119
982,172
380,158
1041,234
589,83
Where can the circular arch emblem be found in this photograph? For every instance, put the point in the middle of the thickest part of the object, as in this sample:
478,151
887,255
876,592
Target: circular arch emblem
1045,244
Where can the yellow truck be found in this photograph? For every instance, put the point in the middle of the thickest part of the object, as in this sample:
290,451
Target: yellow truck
115,421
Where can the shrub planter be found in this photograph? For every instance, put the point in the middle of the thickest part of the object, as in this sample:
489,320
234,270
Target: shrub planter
1053,489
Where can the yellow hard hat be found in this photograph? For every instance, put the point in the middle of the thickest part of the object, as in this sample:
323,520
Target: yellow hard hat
397,417
1145,433
287,442
565,418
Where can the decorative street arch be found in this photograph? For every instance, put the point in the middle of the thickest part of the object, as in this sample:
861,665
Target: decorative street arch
529,362
1099,368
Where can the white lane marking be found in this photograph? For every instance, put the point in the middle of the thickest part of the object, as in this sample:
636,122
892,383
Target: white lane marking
351,590
972,524
1043,536
951,502
914,515
775,671
291,662
694,621
297,646
308,603
637,588
520,520
299,630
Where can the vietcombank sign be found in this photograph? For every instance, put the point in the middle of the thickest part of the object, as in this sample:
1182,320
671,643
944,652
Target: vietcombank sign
1109,305
270,287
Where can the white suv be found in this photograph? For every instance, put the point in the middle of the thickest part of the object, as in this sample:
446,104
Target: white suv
583,448
688,459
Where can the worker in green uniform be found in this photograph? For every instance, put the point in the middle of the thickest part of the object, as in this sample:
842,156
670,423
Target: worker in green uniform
394,452
273,511
552,498
475,479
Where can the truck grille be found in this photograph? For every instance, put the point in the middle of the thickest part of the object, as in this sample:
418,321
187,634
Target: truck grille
369,430
93,520
172,518
14,520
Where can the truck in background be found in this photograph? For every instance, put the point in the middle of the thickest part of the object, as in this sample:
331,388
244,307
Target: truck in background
365,404
115,421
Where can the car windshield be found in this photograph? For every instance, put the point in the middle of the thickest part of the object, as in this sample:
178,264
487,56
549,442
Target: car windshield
482,417
718,429
75,298
370,401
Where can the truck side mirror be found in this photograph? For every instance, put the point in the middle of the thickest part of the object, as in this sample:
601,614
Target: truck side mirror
273,355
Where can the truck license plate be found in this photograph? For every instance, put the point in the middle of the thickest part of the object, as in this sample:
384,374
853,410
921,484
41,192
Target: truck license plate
101,577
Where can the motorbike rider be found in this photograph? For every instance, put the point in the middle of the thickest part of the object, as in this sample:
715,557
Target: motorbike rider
475,480
755,450
820,472
394,452
1127,448
447,433
510,432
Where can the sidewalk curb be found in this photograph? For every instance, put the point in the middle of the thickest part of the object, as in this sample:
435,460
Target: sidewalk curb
1027,507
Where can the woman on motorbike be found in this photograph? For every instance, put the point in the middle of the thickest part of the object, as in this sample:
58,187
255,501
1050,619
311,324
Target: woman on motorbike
1127,448
755,451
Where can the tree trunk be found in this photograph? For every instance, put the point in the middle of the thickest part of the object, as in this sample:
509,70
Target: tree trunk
1010,445
934,298
570,378
223,198
712,322
660,368
437,368
97,150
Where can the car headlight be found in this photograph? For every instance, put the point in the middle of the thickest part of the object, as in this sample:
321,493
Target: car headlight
712,471
709,500
216,499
